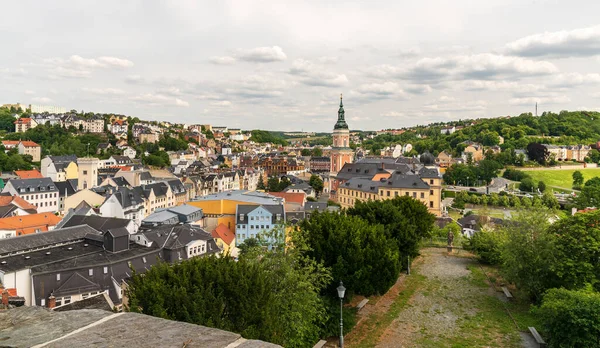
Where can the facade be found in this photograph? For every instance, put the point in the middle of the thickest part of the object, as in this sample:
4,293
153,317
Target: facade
30,148
60,168
24,124
253,220
474,150
148,136
88,196
27,224
119,127
87,173
42,193
319,164
38,109
125,203
50,119
444,159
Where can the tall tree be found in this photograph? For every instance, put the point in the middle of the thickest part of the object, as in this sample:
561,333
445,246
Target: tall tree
316,183
538,152
577,179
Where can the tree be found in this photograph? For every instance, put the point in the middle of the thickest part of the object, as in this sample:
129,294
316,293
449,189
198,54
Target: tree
277,287
316,183
570,318
541,186
538,152
528,252
550,201
406,220
589,195
317,152
358,252
305,152
577,179
261,183
527,185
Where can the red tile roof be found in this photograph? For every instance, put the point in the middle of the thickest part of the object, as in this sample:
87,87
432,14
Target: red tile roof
27,224
224,233
28,174
29,143
10,142
23,120
291,197
18,201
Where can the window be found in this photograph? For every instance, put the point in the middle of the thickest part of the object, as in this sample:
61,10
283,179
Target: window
57,277
91,272
85,172
105,270
396,194
388,193
67,299
414,195
406,193
431,182
241,217
43,302
430,204
431,192
422,194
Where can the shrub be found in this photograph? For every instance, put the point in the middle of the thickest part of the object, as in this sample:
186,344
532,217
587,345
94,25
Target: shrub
487,245
514,174
570,318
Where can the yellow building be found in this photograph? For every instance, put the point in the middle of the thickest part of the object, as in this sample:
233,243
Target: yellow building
221,208
90,197
425,187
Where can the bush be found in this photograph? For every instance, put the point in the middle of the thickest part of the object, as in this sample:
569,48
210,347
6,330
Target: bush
527,185
570,318
514,174
487,245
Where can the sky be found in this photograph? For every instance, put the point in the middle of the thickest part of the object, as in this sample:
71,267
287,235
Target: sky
282,65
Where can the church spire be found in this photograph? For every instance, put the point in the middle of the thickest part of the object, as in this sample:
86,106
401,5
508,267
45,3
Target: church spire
341,121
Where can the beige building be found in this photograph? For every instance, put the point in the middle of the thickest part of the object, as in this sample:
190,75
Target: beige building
444,159
425,187
90,197
24,124
88,172
148,137
474,150
27,147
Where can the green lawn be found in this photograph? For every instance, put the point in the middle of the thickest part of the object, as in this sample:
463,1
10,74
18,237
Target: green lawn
561,178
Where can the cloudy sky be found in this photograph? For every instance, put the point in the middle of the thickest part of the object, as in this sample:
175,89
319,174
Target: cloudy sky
282,65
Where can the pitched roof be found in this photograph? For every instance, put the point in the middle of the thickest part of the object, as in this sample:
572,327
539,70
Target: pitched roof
33,185
28,174
99,223
10,142
223,233
29,143
76,284
27,224
39,240
17,201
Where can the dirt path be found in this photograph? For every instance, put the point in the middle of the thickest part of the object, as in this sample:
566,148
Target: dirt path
448,304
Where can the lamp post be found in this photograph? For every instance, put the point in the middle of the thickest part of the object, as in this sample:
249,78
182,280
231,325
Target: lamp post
341,291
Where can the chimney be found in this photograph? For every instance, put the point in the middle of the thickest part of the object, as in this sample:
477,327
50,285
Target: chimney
5,297
51,302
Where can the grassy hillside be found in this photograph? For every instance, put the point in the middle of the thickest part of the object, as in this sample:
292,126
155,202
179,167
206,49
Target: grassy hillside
560,177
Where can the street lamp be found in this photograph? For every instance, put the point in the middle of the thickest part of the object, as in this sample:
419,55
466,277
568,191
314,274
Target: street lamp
341,291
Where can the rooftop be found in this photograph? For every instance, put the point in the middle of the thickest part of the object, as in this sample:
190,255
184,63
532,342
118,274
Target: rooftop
242,196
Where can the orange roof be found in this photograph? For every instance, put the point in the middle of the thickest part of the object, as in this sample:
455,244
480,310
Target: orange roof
380,176
29,143
23,120
10,142
119,122
16,200
291,197
12,292
28,174
224,233
27,224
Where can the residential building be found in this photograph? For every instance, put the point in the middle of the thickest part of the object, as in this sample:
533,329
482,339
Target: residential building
319,164
38,109
88,196
474,151
27,147
178,190
278,165
254,220
87,172
24,124
169,216
119,126
15,206
225,239
60,168
99,223
65,189
27,224
9,144
42,193
474,223
157,196
120,160
444,159
448,130
125,203
129,152
148,136
49,119
341,153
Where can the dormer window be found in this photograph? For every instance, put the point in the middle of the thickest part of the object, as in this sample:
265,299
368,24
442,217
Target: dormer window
241,217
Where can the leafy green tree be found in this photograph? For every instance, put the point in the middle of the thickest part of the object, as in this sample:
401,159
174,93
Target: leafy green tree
317,152
570,318
528,253
527,185
7,120
316,183
359,253
305,152
577,179
273,184
526,202
589,195
541,186
550,201
261,183
406,220
577,248
538,152
487,244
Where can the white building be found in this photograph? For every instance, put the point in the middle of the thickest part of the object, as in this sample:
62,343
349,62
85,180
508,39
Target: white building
38,109
40,192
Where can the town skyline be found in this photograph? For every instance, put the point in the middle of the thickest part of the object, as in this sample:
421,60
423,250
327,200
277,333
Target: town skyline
275,67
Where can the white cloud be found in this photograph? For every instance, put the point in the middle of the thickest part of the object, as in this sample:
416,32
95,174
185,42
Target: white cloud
257,87
29,92
312,74
222,60
484,66
383,90
115,62
451,104
408,52
327,60
262,54
104,91
171,91
44,100
134,79
159,100
79,67
575,79
222,103
561,99
581,42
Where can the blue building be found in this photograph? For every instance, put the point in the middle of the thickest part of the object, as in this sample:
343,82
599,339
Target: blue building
251,220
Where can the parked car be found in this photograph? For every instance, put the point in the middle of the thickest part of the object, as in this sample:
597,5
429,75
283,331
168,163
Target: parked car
472,189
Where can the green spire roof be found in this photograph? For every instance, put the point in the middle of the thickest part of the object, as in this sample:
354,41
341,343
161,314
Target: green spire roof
341,122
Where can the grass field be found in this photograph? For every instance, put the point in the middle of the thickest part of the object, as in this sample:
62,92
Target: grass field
561,178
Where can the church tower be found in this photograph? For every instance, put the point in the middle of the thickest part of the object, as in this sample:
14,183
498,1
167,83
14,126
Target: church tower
341,153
